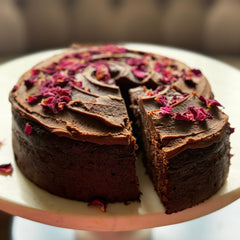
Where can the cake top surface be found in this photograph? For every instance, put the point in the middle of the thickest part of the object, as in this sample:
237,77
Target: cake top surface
79,93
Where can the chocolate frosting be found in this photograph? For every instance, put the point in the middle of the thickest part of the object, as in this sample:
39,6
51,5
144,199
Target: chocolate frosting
174,135
96,111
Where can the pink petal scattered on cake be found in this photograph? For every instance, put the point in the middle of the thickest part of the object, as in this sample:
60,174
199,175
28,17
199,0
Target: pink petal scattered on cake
166,111
232,130
78,84
151,92
138,73
34,71
113,49
157,90
55,93
193,114
34,98
133,61
6,169
159,65
15,88
162,100
184,116
28,129
29,82
176,99
102,206
196,72
102,71
210,102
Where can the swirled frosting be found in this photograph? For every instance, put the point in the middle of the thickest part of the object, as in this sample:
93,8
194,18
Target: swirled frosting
78,93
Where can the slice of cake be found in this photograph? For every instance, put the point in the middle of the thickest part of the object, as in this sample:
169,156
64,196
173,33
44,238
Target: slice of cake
186,145
72,135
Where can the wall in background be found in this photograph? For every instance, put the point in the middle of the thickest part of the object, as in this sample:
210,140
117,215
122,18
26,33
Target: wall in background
210,26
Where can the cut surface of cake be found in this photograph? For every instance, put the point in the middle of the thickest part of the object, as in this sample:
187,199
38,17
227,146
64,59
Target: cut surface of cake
72,133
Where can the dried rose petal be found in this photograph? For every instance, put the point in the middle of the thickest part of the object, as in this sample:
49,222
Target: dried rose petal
138,73
151,92
99,204
232,130
54,92
29,82
51,69
62,80
60,106
34,72
15,88
71,72
192,73
33,99
185,116
87,55
73,64
6,168
189,74
49,104
102,71
210,102
112,49
176,99
199,113
28,129
193,114
166,111
166,80
167,77
162,100
196,72
157,90
139,65
160,65
133,61
78,84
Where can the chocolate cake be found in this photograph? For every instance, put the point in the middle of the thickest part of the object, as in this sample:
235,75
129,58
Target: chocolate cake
186,143
72,133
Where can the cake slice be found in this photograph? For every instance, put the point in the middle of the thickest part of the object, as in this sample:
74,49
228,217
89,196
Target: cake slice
186,144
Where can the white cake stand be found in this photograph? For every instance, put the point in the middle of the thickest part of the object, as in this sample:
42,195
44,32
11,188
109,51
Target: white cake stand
20,197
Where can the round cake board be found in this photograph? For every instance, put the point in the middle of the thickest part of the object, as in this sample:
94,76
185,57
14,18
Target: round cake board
20,197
